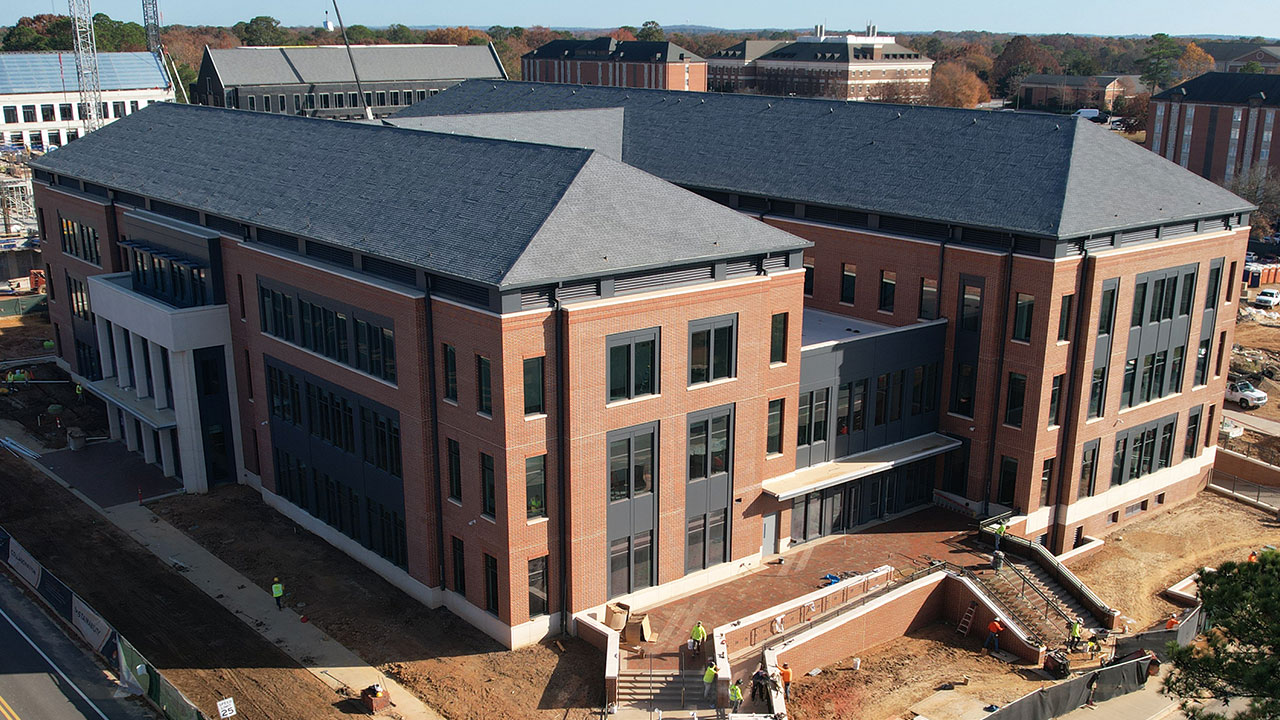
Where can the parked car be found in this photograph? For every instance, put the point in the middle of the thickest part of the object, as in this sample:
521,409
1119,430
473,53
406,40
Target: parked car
1091,114
1267,299
1250,257
1245,395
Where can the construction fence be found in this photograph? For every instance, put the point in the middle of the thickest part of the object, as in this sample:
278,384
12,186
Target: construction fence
22,304
1093,687
134,671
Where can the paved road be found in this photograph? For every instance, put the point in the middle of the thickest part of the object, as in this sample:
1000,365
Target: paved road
44,675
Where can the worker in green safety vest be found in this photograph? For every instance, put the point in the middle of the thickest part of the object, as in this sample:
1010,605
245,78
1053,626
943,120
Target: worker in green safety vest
697,635
735,694
1074,642
277,592
1000,531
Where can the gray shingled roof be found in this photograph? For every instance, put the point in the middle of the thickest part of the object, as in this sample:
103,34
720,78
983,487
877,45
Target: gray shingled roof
596,129
376,63
1227,88
1033,174
607,48
496,212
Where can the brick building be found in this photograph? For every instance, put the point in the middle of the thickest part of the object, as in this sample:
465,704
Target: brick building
612,63
1077,91
844,67
1224,54
1266,56
404,352
318,81
1219,125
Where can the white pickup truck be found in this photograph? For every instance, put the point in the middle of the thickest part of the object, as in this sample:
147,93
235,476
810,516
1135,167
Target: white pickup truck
1245,395
1267,299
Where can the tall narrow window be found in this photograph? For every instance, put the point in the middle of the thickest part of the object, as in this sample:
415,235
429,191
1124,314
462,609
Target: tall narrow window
1188,293
1202,363
1176,369
535,486
455,469
1231,281
1157,300
1107,312
888,286
808,277
484,391
631,462
1007,489
632,364
450,372
1015,399
882,398
1139,303
971,309
1166,445
1046,482
848,282
1064,318
1191,446
1088,470
778,338
1117,460
1222,352
928,299
1127,384
491,584
1055,397
537,584
1024,308
1097,391
712,349
533,386
858,407
773,441
488,493
1211,290
459,568
965,379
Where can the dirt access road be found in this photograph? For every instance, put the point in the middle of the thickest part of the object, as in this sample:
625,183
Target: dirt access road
902,672
453,667
1135,566
204,649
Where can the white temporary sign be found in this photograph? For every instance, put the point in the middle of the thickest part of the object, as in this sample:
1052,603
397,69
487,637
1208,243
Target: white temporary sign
23,564
226,708
89,624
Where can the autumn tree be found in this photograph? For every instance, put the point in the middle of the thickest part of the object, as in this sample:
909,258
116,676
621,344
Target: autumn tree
1020,57
1194,62
899,92
1159,60
1261,190
651,31
623,34
262,30
954,85
1238,661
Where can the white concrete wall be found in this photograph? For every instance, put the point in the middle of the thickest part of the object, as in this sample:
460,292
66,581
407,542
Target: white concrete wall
57,131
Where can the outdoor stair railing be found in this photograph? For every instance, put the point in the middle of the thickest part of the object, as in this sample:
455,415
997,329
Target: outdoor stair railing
1050,603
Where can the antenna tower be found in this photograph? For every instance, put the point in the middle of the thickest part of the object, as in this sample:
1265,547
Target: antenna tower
86,64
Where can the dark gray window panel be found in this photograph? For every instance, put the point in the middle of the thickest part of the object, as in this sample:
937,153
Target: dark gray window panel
1143,449
632,513
633,364
713,349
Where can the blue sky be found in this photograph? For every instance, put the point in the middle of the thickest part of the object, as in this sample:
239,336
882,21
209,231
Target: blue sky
1225,17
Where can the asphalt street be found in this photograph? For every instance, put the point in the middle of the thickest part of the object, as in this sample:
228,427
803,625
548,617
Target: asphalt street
44,675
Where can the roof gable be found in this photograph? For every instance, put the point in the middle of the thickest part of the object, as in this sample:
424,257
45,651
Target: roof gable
1227,88
376,63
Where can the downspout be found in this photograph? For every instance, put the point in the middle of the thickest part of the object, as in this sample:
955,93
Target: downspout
995,409
435,432
562,459
1074,372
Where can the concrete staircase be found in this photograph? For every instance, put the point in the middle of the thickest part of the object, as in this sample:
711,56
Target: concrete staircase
1038,601
661,689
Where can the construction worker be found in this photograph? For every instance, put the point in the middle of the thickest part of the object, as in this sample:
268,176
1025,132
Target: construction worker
709,678
1253,556
697,635
735,695
277,592
785,672
1073,642
1172,622
994,628
760,683
1000,531
79,393
9,380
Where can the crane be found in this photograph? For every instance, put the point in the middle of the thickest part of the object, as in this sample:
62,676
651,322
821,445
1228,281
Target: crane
86,65
151,21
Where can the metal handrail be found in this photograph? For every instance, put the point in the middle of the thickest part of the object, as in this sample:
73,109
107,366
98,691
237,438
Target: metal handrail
1050,602
995,598
1060,572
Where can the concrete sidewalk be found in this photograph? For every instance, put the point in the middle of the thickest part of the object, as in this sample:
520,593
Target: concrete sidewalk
1252,422
325,658
1147,703
321,655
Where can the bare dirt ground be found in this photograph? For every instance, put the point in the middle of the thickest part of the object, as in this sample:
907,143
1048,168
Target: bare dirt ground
1255,445
900,673
33,406
1138,562
1255,335
204,649
24,336
453,667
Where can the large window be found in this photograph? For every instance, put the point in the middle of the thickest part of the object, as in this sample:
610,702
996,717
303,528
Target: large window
80,240
631,462
537,583
535,486
1097,392
928,299
376,350
811,418
381,441
633,364
1107,311
1008,486
1191,446
773,439
808,277
454,452
332,418
848,283
459,567
533,386
1117,460
284,394
631,563
450,372
1024,308
712,347
888,287
1016,399
323,331
488,493
1064,318
491,583
484,388
709,447
778,338
705,540
1176,370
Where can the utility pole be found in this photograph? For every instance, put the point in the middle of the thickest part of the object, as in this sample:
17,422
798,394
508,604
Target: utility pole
368,111
86,64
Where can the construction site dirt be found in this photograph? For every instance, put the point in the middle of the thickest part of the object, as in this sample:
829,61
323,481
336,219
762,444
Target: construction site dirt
450,665
204,649
898,674
1141,560
24,336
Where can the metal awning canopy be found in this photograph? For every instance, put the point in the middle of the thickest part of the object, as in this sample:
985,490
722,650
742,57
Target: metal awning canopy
852,467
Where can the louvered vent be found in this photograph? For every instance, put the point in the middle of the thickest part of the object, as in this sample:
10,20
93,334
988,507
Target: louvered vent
278,240
918,228
93,189
224,225
579,291
395,272
1135,236
531,298
130,199
1026,245
983,238
68,182
715,196
1098,242
650,281
775,263
738,268
851,218
751,202
458,290
1179,230
175,212
329,254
